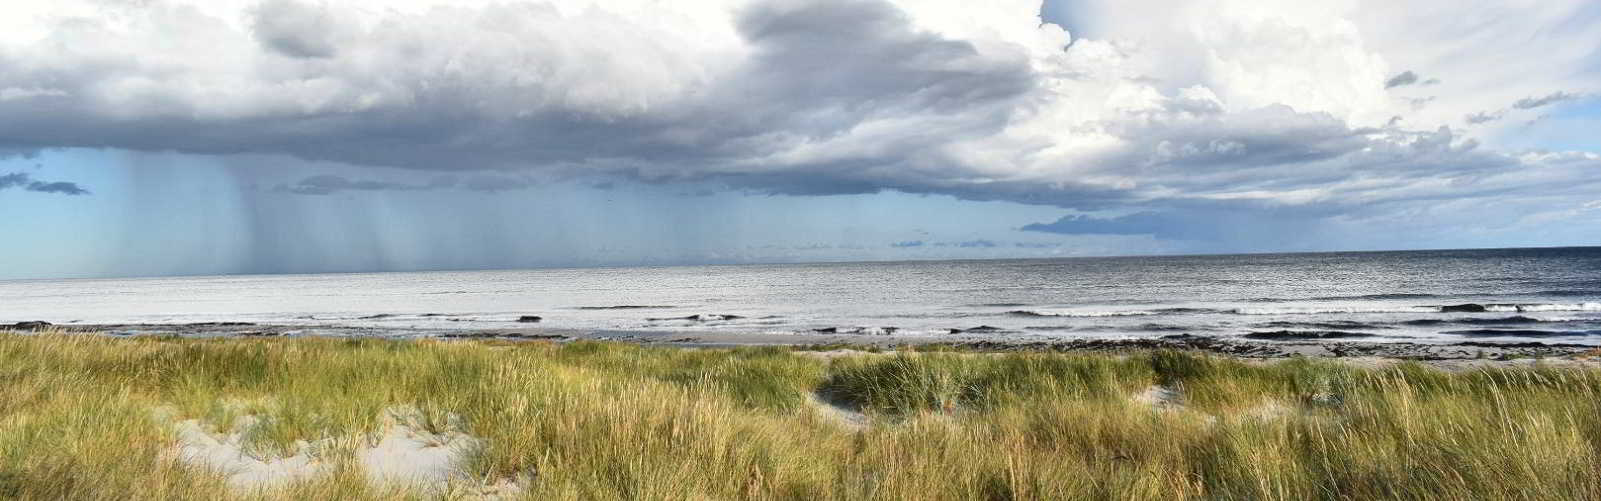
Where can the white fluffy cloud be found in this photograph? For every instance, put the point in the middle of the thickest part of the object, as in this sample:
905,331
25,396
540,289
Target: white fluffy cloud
1215,104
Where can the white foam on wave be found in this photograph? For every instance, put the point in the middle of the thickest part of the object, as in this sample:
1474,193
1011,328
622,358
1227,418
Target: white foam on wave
1523,308
1325,310
1566,319
1087,313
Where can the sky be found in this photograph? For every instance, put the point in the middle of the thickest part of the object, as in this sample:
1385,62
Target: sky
184,137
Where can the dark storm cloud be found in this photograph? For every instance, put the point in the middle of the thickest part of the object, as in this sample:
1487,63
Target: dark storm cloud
1405,78
818,97
817,70
26,182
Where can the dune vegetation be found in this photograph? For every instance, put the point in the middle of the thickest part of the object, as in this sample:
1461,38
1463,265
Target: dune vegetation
93,417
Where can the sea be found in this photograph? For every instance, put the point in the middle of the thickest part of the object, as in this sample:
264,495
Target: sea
1549,295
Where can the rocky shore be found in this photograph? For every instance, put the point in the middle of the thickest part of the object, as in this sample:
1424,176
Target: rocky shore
974,340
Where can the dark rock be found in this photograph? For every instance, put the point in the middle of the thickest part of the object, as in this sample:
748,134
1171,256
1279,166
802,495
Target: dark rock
470,335
529,319
31,326
221,324
1512,320
1424,321
1331,325
858,330
1507,333
501,335
700,318
540,336
1528,344
261,334
1463,308
981,328
1287,334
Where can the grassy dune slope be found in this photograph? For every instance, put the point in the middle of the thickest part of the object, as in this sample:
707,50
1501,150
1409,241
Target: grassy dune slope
84,417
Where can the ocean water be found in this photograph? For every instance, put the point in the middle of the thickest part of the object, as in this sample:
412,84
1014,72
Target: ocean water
1544,295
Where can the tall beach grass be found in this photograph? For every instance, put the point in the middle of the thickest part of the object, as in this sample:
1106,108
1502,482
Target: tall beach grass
91,417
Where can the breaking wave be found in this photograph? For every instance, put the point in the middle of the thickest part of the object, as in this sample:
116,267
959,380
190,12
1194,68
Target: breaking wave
1327,310
1527,308
1108,313
1519,333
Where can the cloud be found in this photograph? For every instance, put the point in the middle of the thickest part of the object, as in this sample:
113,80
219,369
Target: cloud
1207,228
1236,106
1530,103
1527,103
976,244
328,184
59,187
26,182
297,29
1404,78
1144,223
1485,117
494,184
907,244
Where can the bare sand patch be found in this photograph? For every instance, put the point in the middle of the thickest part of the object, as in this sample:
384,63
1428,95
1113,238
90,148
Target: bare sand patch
1169,399
227,453
403,453
1161,397
838,413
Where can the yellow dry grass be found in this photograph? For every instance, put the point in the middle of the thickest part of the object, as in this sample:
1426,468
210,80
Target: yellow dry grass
90,417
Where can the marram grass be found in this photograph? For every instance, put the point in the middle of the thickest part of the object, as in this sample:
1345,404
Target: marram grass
89,417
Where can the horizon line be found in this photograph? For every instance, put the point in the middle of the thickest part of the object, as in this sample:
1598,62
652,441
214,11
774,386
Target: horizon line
777,263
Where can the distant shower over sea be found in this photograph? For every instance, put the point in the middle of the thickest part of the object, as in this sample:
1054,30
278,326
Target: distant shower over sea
1499,295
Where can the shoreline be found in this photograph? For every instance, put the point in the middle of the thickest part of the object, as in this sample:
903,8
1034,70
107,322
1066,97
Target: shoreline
1444,354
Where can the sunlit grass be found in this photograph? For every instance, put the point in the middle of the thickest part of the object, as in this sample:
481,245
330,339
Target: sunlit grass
89,417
